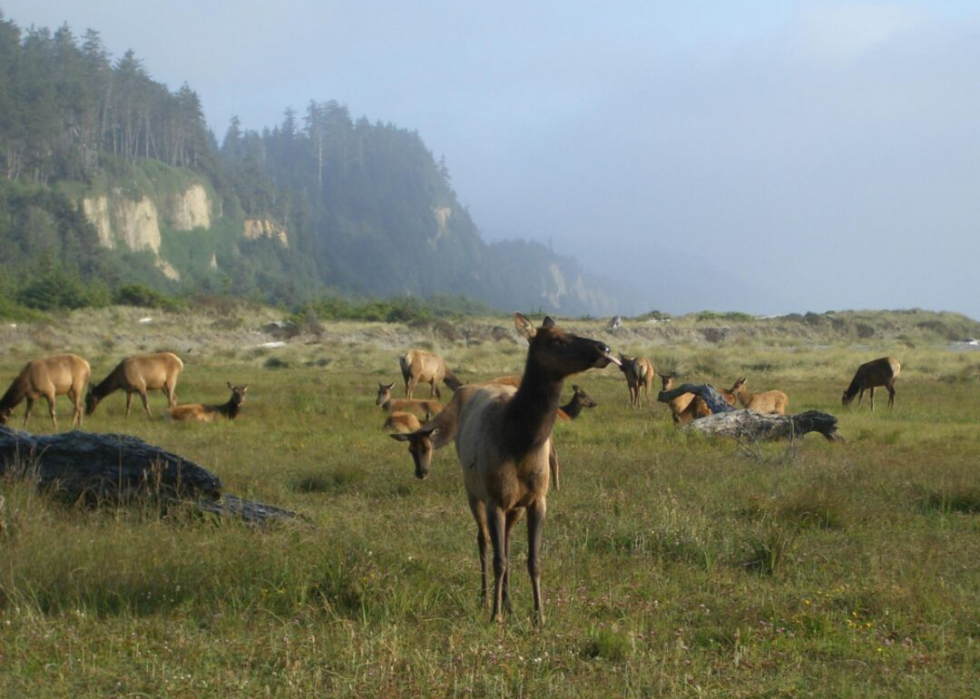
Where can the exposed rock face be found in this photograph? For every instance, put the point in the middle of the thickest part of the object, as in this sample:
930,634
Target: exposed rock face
190,210
136,223
255,228
96,210
442,215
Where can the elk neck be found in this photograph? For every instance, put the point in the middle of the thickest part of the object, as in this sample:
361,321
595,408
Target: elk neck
530,414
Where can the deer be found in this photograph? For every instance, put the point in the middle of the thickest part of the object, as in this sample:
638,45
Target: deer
137,375
208,413
571,410
419,366
58,375
503,441
428,408
878,372
639,374
769,402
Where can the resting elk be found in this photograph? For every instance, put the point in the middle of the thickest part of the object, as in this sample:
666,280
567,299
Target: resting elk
879,372
687,406
771,402
61,374
639,374
428,408
571,410
138,375
207,413
402,422
419,366
503,440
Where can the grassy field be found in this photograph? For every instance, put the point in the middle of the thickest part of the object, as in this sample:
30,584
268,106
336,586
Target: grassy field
673,565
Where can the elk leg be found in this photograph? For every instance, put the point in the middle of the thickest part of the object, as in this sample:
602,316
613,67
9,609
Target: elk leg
872,399
496,519
482,539
860,397
76,416
512,518
51,398
553,466
27,411
410,387
891,395
146,402
535,524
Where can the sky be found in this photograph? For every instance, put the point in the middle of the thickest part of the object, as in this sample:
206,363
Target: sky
761,156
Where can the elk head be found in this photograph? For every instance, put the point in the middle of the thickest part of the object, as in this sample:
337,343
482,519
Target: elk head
420,447
384,393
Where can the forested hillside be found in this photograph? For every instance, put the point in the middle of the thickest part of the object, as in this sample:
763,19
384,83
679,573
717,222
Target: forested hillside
109,178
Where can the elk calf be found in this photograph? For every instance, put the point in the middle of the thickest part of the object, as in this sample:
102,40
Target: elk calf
207,413
770,402
426,408
879,372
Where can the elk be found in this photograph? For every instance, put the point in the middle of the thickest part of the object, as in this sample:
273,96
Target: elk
639,374
419,366
571,410
879,372
138,375
402,422
771,402
61,374
428,408
503,441
685,407
207,413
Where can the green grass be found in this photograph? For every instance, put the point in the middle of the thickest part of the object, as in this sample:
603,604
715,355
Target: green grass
673,565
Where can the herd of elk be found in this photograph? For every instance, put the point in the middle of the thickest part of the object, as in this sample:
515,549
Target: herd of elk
503,441
62,374
639,374
138,375
768,402
878,372
419,366
207,413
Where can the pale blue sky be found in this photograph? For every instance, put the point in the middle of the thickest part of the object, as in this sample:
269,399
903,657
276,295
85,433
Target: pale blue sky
800,155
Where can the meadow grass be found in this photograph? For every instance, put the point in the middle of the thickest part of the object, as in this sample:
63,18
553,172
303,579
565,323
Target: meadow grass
673,565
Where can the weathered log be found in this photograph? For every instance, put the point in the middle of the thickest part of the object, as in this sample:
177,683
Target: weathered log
741,424
117,468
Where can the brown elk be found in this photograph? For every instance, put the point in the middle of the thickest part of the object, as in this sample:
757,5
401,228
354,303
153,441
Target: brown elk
207,413
61,374
419,366
402,422
639,374
771,402
879,372
503,440
571,410
138,375
428,408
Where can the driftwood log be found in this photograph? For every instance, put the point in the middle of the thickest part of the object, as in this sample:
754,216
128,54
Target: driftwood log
747,424
115,468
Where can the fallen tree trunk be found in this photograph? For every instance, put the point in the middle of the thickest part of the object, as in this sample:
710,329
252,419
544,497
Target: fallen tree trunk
115,468
747,424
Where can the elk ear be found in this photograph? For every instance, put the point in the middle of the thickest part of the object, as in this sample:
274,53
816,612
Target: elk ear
575,388
525,328
244,388
230,386
389,386
548,322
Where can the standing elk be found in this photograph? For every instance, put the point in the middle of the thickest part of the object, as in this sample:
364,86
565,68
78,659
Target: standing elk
639,374
138,375
419,366
879,372
207,413
769,402
427,408
61,374
503,440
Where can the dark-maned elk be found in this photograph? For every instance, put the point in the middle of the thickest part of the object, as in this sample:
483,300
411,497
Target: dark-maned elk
639,374
769,402
419,366
879,372
139,374
207,413
61,374
426,408
571,410
503,441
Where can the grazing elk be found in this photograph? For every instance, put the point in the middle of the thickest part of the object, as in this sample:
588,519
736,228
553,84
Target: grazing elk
138,375
419,366
639,374
402,422
769,402
207,413
49,377
427,408
879,372
571,410
503,440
